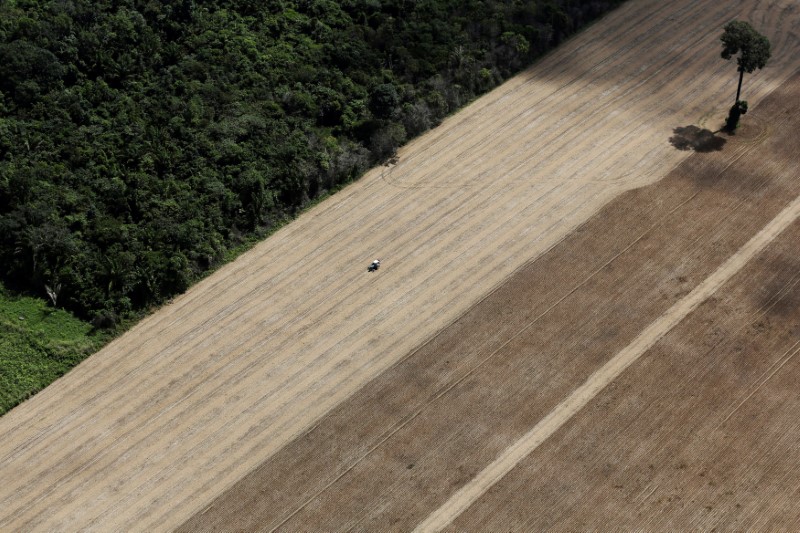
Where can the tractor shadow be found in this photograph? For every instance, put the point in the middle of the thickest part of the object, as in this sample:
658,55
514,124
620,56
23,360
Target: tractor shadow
694,138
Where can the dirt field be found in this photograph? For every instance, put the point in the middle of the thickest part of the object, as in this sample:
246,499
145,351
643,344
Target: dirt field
701,434
148,432
403,445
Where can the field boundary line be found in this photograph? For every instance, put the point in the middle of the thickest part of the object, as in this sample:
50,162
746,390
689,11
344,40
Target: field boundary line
580,397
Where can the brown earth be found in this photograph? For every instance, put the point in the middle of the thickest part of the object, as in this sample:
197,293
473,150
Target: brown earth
397,449
700,435
147,432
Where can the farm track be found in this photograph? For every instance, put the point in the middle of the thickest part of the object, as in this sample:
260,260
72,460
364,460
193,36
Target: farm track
151,429
431,426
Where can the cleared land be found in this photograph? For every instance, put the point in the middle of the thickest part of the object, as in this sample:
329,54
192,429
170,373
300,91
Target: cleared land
701,434
149,431
397,450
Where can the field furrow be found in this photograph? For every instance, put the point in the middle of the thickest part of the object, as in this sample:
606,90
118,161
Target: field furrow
147,432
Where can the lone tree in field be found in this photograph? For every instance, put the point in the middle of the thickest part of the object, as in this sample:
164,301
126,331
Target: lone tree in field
753,49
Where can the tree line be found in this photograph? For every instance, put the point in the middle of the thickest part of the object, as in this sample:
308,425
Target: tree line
141,141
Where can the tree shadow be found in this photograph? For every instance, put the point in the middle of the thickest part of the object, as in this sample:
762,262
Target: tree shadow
694,138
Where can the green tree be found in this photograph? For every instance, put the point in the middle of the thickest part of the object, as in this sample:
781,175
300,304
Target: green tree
753,51
383,100
142,141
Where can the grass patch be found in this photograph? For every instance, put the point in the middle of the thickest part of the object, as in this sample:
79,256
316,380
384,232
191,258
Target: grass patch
38,344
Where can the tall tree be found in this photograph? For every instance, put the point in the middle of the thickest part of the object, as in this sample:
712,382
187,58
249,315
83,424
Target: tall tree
741,38
142,141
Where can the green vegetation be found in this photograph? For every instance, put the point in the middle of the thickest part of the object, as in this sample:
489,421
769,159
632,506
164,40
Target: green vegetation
753,51
144,143
37,345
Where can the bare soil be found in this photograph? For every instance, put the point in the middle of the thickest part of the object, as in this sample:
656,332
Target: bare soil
149,431
700,435
401,446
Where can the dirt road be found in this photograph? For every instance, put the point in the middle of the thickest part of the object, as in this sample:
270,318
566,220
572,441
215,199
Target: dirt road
150,430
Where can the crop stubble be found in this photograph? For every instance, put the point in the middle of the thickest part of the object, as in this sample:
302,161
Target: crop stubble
399,447
148,431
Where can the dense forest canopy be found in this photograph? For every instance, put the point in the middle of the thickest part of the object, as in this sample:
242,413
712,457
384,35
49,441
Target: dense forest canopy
140,140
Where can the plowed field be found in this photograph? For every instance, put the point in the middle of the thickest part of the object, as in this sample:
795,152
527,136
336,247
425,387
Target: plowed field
679,282
243,374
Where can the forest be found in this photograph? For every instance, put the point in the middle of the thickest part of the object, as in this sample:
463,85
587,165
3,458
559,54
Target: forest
143,142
